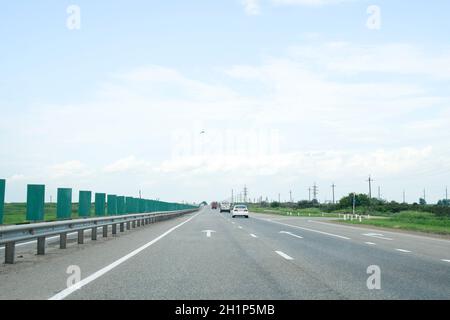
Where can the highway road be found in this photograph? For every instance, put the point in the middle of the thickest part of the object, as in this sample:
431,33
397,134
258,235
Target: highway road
209,255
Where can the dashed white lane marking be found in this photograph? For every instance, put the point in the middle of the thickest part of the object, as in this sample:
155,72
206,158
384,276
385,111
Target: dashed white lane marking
253,235
284,255
66,292
403,250
291,234
312,230
445,260
370,243
240,227
377,235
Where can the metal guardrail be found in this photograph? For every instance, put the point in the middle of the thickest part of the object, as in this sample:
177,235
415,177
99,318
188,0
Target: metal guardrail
11,235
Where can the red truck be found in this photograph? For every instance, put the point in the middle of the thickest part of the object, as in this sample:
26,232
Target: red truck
214,205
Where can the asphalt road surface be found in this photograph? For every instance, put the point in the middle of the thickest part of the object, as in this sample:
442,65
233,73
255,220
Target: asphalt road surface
209,255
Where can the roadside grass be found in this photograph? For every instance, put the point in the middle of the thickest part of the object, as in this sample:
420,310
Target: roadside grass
409,220
309,212
15,213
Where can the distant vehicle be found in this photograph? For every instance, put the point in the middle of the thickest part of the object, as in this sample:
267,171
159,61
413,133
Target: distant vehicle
240,210
225,207
214,205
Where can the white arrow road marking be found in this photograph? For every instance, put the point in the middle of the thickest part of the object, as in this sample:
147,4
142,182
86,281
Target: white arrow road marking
377,235
291,234
403,250
253,235
284,255
208,232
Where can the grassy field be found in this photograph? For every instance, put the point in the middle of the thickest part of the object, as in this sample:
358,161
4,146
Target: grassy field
15,213
410,220
310,212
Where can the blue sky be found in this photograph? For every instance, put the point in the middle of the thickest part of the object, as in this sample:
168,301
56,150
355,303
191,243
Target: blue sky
118,105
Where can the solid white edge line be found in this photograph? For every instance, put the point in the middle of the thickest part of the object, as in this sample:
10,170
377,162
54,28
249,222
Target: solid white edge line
284,255
68,291
312,230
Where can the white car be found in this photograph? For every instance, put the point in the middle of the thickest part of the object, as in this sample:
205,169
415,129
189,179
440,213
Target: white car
225,207
240,210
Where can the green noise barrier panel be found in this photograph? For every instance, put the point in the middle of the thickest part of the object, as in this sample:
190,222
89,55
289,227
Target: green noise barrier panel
85,203
121,205
35,202
64,204
100,201
112,205
2,199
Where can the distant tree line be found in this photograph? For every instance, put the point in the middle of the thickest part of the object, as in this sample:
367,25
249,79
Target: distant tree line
364,203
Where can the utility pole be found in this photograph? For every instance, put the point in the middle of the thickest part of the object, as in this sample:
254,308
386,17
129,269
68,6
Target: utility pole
446,196
315,189
425,195
379,193
332,187
232,196
279,198
309,191
404,196
354,203
290,195
370,187
245,194
140,194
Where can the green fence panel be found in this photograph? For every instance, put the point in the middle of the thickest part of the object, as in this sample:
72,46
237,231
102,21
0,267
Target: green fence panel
85,203
141,203
112,205
2,199
129,204
121,205
100,199
64,203
35,202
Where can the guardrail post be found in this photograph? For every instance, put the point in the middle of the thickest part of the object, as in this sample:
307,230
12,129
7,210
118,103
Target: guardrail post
63,240
133,224
114,229
41,246
128,225
122,227
105,231
94,234
139,223
80,236
10,252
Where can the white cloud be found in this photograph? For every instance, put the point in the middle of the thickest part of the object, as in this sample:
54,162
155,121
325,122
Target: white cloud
252,7
309,2
69,169
128,164
334,120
